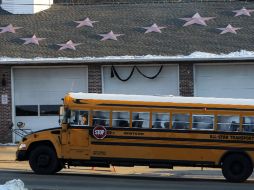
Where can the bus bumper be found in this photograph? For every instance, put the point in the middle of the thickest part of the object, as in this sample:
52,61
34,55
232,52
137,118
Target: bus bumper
21,155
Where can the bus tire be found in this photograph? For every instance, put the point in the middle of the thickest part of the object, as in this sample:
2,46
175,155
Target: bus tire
237,168
43,160
59,167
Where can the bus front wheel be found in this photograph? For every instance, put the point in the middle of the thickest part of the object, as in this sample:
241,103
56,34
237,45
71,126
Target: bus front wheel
43,160
236,167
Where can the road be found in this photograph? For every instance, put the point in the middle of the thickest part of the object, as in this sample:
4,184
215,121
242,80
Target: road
71,181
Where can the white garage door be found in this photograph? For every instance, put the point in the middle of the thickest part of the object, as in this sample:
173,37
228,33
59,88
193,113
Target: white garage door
38,93
166,83
232,81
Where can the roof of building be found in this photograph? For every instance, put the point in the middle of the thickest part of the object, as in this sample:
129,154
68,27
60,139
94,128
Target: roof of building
57,26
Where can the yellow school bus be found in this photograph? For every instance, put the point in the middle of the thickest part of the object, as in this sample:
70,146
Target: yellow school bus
156,131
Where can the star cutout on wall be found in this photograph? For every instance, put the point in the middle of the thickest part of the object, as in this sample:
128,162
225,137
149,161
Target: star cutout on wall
229,29
153,28
9,28
243,11
32,40
68,45
109,36
86,22
196,19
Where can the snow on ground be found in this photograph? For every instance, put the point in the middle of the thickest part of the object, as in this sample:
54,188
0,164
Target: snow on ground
15,184
242,54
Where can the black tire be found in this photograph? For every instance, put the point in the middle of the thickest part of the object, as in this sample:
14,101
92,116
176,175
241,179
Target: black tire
59,167
43,160
237,168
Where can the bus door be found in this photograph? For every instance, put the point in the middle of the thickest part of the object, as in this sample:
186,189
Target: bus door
77,145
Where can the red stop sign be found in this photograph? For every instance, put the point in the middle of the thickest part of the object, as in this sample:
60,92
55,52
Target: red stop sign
99,132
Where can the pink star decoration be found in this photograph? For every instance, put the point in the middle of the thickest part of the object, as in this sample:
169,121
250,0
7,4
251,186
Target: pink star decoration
243,11
9,28
153,28
86,22
196,19
109,36
32,40
229,29
68,45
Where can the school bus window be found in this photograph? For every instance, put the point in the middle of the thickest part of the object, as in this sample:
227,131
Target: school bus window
181,121
101,118
248,124
120,119
160,120
202,122
140,119
228,123
79,117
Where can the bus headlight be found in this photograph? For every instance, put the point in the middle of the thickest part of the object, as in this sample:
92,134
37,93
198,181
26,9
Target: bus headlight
22,146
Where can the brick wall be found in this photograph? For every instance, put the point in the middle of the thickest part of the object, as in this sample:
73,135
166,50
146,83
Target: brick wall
94,79
5,110
186,85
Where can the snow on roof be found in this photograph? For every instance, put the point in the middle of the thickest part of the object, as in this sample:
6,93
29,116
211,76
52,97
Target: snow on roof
239,55
173,99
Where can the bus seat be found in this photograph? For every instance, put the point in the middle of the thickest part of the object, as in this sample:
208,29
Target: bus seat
123,123
234,126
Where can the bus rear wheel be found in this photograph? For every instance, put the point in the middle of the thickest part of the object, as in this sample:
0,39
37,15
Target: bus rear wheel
43,160
237,168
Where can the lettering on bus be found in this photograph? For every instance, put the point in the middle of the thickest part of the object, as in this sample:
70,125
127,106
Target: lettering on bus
232,137
134,133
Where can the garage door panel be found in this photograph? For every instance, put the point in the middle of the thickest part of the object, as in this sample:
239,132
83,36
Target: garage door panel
164,84
233,81
45,87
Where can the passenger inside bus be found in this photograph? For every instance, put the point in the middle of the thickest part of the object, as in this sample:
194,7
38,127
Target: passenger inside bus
137,122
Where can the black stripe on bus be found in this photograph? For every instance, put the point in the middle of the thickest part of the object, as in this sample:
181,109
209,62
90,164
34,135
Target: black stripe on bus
172,146
148,161
179,139
175,107
211,132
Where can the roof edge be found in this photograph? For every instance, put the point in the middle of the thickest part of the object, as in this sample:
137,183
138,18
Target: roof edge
242,55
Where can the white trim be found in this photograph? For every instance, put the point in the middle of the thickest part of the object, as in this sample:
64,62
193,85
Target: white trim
146,65
178,79
13,105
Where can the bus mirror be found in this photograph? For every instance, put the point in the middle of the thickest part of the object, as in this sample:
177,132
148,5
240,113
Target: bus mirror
61,111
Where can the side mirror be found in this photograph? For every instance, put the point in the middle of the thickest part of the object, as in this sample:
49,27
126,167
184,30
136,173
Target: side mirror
61,111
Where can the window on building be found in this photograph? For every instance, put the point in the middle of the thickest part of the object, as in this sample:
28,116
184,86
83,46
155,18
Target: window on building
49,110
248,123
160,120
27,110
228,123
120,119
180,121
101,118
140,119
202,122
